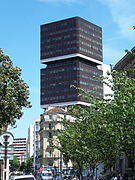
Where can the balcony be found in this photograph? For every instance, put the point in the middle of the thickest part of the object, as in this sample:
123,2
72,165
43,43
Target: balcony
50,146
51,129
47,155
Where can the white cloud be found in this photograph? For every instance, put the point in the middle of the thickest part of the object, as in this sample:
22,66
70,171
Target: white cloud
61,1
123,14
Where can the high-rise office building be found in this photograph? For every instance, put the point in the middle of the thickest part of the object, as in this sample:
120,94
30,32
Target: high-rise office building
71,49
19,145
33,142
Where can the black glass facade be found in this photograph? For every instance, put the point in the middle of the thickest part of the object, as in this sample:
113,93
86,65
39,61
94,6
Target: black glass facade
66,37
74,35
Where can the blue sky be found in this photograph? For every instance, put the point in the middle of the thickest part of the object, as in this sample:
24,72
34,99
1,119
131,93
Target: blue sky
20,22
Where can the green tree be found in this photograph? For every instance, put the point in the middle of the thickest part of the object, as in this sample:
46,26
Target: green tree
71,147
28,165
86,142
15,164
22,167
13,92
105,129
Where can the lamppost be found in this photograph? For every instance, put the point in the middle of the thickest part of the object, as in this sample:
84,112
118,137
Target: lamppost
6,139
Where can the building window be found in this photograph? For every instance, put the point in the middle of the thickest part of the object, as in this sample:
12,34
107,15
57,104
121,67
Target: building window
50,163
50,126
50,153
50,135
50,143
50,116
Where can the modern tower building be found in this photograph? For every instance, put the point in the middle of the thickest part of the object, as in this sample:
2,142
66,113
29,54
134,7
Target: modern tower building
20,148
33,142
30,141
71,50
36,143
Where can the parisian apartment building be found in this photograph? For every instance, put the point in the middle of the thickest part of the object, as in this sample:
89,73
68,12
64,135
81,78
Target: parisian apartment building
50,124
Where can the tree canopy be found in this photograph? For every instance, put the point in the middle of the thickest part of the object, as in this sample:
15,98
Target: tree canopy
14,92
105,129
14,163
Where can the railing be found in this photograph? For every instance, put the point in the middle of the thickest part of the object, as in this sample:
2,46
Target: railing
50,157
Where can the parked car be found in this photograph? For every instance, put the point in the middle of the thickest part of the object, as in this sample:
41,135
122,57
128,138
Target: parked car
58,177
38,176
46,175
24,177
14,174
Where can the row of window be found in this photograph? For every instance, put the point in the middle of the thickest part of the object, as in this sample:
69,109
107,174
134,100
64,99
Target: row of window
16,145
89,45
90,26
67,43
68,96
89,39
55,25
54,71
54,85
91,85
58,38
85,69
65,83
58,97
61,44
73,29
55,39
58,25
56,78
53,91
92,78
19,142
90,52
66,50
89,33
20,139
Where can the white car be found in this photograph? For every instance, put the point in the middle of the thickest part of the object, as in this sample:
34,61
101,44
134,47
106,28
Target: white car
46,175
24,177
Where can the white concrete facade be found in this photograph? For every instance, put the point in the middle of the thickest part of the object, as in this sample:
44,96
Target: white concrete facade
51,122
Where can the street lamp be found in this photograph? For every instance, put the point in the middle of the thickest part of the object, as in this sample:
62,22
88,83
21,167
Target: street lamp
6,139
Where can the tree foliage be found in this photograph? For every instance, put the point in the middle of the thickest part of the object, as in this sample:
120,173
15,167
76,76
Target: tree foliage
14,92
105,129
14,163
22,167
28,165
